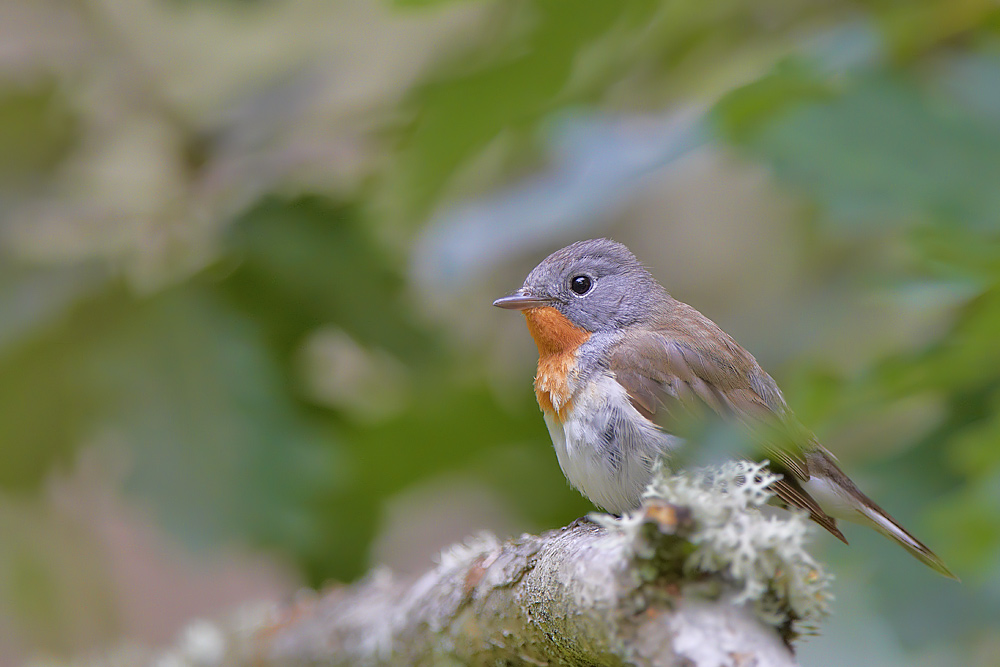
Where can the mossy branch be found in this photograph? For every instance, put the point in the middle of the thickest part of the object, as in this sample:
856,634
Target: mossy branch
697,576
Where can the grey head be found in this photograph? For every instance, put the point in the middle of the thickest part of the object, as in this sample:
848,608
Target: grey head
597,284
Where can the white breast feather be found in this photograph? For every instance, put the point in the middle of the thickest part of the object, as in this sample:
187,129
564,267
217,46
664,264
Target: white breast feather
614,474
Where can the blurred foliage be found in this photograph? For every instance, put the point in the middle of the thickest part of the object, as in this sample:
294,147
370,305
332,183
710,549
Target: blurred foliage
36,131
208,211
880,150
851,145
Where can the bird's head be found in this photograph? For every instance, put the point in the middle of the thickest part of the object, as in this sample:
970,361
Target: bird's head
598,285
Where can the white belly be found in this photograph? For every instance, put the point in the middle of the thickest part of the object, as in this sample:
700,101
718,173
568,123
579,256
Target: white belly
834,500
606,448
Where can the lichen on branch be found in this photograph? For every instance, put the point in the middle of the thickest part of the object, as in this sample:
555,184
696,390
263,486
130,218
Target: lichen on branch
763,554
697,576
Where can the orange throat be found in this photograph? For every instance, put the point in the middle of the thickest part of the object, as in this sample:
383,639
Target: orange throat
557,340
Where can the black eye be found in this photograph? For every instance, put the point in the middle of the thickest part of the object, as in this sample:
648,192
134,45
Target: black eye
580,284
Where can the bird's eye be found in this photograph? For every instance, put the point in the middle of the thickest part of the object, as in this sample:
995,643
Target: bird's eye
581,284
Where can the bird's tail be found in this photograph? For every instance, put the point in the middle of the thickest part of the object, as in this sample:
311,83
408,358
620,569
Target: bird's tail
880,520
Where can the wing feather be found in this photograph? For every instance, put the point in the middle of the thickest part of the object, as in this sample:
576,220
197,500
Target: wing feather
674,368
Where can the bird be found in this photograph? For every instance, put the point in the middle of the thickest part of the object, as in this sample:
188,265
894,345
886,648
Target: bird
619,358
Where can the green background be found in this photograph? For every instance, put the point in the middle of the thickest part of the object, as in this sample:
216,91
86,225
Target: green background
248,250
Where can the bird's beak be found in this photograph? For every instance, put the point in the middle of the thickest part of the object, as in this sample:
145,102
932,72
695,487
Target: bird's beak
521,301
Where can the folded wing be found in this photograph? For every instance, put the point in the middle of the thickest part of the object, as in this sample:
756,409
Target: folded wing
682,366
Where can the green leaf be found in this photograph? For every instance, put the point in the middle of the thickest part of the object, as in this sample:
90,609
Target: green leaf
793,83
880,152
37,129
47,400
219,448
303,263
186,385
504,89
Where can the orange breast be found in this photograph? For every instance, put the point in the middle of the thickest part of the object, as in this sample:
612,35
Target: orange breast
557,340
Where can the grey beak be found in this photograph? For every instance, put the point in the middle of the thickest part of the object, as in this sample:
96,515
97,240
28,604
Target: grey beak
521,302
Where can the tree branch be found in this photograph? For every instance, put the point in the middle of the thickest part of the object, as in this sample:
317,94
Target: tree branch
572,596
696,577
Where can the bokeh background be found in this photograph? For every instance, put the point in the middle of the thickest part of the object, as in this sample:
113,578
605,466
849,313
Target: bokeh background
248,250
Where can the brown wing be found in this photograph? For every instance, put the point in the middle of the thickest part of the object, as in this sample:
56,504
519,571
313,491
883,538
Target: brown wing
690,363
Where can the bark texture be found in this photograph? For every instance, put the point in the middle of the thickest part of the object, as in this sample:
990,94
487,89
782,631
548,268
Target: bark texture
582,595
697,577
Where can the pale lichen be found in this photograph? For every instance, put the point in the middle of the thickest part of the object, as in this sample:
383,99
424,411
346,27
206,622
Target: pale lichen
762,555
461,553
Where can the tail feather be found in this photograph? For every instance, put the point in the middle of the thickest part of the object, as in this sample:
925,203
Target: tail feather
841,498
877,518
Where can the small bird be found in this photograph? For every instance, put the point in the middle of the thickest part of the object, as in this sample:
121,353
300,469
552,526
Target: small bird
618,357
